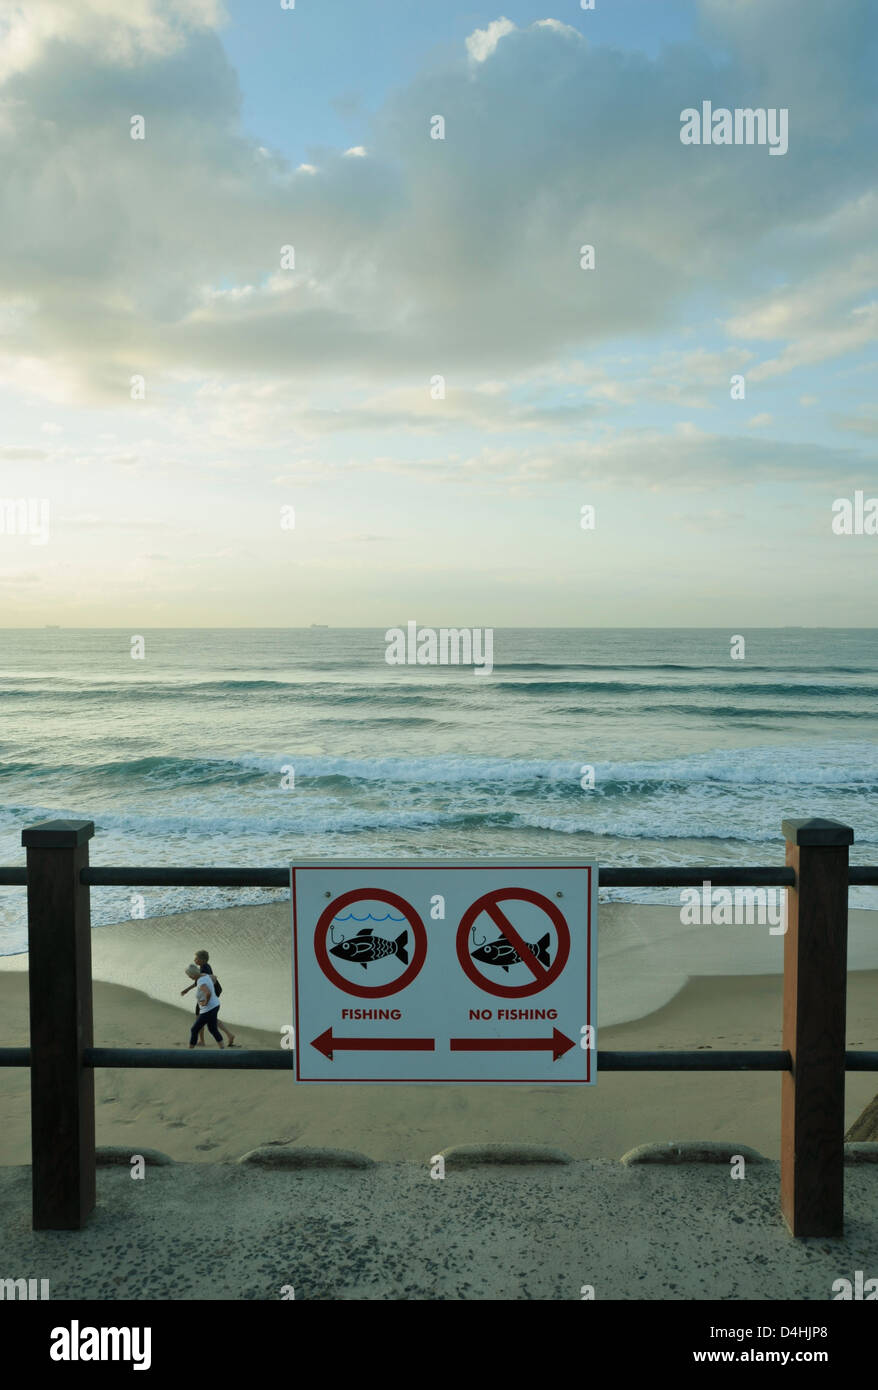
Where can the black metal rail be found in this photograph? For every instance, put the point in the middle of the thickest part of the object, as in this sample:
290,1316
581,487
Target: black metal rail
264,1059
722,876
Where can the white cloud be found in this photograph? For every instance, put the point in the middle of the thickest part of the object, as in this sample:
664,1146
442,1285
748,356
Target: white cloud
865,422
21,454
832,308
120,30
685,457
558,27
482,42
809,304
696,378
408,265
858,329
804,53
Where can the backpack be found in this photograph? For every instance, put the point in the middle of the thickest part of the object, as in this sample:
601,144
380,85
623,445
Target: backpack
217,987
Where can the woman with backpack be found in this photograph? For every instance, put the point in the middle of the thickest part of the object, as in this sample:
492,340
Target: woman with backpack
202,966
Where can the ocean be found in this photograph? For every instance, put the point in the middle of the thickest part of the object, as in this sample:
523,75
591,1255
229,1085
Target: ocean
253,747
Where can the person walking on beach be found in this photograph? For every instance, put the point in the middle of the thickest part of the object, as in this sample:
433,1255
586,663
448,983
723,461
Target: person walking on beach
200,966
202,960
209,1005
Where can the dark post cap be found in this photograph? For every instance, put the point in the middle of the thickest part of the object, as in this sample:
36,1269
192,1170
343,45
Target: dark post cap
57,834
817,832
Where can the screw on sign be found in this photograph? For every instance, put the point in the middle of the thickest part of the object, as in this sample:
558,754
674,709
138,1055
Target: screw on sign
510,948
362,947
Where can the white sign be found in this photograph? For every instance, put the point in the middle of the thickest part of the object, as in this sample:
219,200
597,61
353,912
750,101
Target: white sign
410,971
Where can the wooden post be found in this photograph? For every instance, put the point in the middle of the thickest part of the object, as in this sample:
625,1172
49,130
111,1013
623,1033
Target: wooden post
59,971
814,1008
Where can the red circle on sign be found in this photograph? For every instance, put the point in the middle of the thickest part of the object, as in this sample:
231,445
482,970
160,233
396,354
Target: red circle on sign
546,977
356,895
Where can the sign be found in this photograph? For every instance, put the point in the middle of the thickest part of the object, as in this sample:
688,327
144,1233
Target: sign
407,971
352,950
534,958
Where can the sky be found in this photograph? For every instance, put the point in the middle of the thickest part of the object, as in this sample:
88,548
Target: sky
290,303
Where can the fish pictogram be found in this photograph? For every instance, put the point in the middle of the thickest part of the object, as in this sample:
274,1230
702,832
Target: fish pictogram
502,953
364,948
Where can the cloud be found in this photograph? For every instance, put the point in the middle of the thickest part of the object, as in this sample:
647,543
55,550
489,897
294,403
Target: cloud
13,453
801,54
831,309
483,42
91,522
453,257
685,457
697,378
866,422
858,329
120,30
15,578
559,28
414,409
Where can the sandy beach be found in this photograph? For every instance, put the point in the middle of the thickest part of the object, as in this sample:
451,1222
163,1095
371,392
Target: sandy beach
645,958
208,1117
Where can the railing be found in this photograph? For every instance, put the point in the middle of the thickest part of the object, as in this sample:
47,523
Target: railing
812,1060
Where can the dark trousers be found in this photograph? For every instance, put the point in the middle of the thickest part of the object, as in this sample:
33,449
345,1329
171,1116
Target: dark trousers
208,1017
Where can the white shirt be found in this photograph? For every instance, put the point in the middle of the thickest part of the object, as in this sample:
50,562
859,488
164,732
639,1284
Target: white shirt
213,1001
